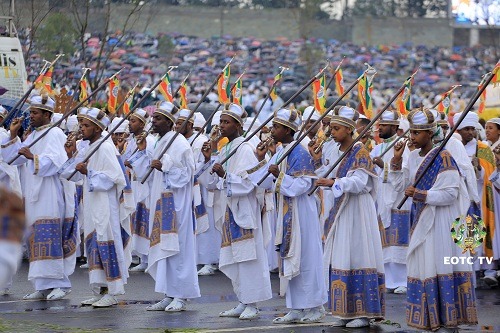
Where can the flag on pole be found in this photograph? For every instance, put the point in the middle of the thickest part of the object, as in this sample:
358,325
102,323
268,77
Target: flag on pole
182,93
273,95
365,89
496,75
339,82
482,98
319,94
128,102
236,95
165,89
223,86
445,103
84,89
114,87
403,102
44,82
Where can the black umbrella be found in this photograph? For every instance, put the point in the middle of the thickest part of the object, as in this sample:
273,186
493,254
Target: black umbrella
3,90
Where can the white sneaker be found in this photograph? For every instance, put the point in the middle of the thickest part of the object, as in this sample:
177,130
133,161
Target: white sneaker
86,265
491,281
105,302
177,305
161,305
136,260
339,322
207,270
58,293
91,301
292,317
357,323
234,312
251,312
400,290
138,268
37,295
313,315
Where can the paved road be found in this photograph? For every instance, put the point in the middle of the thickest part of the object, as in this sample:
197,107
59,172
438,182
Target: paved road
202,316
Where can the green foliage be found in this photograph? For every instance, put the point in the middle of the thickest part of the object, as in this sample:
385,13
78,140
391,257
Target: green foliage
56,35
399,8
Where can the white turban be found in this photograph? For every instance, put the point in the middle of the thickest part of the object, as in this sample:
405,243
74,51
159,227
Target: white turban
471,120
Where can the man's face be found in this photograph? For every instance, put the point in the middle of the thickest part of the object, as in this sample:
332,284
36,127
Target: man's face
39,117
445,128
468,133
279,132
315,128
89,130
135,126
161,124
187,128
339,132
420,139
228,126
386,131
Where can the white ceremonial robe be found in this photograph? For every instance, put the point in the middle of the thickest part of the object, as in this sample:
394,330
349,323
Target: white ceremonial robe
104,239
298,224
237,216
45,208
9,174
495,181
428,305
172,260
140,218
394,223
353,258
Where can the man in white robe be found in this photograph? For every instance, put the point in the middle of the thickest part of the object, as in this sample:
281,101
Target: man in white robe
9,175
51,247
298,229
103,184
237,216
140,218
172,260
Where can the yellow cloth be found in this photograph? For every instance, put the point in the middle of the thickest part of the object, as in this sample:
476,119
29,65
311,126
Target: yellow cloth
487,162
222,142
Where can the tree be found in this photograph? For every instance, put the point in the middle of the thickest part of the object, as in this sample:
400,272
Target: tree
56,35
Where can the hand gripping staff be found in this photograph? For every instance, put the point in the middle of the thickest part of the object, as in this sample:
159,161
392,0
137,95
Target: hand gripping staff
393,143
107,136
363,132
23,99
436,152
185,122
67,114
304,87
275,83
207,121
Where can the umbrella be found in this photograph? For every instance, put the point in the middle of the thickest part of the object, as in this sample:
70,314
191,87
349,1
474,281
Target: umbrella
3,90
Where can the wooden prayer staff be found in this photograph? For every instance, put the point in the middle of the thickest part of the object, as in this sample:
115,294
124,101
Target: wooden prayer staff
185,122
207,121
363,132
334,73
23,99
304,87
393,143
275,83
436,152
110,132
67,114
301,137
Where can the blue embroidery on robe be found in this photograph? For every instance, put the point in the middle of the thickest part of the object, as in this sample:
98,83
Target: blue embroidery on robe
140,221
357,158
45,242
102,256
165,220
444,300
232,232
443,162
69,236
124,236
398,233
357,293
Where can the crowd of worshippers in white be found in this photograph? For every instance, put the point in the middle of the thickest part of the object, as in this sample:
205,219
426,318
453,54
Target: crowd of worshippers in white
345,246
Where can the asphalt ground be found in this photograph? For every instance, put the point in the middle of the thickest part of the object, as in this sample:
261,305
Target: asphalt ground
66,315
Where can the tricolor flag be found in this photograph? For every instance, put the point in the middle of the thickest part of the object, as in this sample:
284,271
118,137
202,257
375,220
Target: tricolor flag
273,93
166,89
496,75
182,93
445,103
44,81
365,88
319,94
128,102
223,86
403,102
339,82
84,89
236,94
114,87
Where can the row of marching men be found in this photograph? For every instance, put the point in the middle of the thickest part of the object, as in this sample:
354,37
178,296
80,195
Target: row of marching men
340,246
